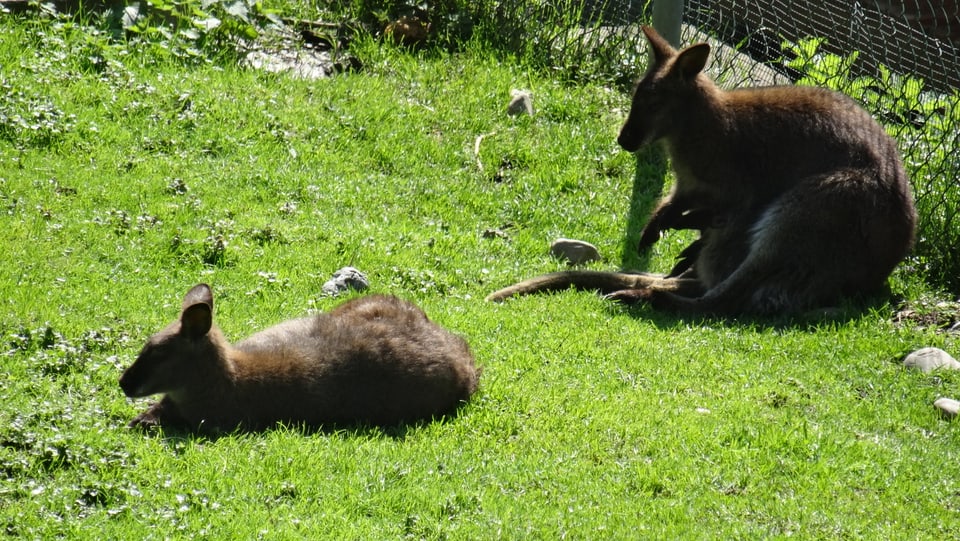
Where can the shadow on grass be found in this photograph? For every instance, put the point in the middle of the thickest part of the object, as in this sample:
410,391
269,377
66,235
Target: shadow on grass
649,178
176,436
812,320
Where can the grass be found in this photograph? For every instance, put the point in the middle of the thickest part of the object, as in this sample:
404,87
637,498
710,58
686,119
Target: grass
127,180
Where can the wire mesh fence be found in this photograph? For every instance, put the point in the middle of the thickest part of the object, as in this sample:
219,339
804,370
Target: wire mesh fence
901,60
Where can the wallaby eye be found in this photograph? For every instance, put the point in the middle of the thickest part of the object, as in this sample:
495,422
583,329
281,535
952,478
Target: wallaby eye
157,352
647,101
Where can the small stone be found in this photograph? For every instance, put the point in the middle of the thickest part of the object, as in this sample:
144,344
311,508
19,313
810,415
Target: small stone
521,102
575,252
345,279
930,359
948,407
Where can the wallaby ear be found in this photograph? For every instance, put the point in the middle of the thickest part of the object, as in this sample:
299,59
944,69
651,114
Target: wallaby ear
661,48
196,320
692,60
200,293
197,316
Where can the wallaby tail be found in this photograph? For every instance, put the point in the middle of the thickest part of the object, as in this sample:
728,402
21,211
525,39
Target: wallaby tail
604,282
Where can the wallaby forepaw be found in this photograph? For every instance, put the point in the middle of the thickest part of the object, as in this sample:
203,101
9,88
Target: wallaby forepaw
145,422
647,239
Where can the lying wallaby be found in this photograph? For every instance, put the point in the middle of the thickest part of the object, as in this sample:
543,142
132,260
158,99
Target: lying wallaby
375,359
800,196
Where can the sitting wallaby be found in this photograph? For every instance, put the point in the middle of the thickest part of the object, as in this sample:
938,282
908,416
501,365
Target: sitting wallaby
375,359
800,196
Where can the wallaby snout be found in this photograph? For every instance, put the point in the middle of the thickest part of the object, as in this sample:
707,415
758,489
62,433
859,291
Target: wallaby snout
134,381
628,140
128,385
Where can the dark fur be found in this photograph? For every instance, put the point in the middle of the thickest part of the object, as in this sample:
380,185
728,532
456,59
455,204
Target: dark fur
800,196
375,359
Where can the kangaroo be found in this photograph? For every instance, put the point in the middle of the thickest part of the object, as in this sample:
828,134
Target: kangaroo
799,194
375,359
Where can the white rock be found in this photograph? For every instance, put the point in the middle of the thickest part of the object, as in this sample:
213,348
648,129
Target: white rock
521,102
344,279
930,359
948,407
575,252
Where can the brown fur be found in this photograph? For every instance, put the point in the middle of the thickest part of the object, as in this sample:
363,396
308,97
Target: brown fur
800,196
375,359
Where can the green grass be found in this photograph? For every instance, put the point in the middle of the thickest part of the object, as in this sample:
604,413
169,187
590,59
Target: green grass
128,182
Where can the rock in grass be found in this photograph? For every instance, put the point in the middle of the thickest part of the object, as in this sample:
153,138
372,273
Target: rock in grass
345,279
521,101
930,359
947,407
575,252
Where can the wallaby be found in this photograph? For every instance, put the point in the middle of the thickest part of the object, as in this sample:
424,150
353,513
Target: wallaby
372,360
800,196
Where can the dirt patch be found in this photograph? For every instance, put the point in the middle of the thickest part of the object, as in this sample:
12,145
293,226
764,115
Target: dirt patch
309,50
944,316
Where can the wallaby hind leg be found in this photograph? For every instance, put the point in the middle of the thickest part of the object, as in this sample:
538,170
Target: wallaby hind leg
753,288
681,282
831,237
603,282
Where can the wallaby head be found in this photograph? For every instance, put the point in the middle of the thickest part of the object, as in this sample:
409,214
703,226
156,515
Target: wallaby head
181,350
666,93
